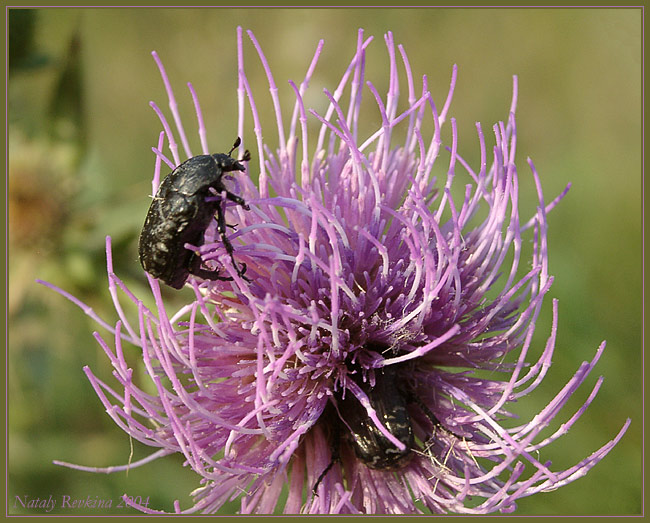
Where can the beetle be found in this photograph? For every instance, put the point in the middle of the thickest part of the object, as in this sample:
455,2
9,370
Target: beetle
370,445
180,213
348,420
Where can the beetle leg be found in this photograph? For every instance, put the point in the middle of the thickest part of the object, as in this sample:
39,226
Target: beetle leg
427,412
335,457
335,446
435,422
196,270
221,227
238,200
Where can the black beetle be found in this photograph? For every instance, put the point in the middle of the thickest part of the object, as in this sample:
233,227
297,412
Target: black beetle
180,213
370,445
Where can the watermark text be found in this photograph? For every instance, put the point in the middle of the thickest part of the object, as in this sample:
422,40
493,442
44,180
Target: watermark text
67,502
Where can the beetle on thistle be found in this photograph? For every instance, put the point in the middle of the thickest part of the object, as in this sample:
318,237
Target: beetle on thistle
370,445
349,421
390,395
181,212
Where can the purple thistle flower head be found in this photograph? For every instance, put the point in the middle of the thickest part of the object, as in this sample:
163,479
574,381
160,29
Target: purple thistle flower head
386,273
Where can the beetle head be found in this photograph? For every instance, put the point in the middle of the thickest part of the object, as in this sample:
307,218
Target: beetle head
227,163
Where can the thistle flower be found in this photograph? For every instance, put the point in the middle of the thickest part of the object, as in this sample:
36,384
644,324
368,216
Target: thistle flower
348,370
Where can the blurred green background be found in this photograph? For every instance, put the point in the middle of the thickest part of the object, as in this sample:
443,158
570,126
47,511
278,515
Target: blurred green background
80,138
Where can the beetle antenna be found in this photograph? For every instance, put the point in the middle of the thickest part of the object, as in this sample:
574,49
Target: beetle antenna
235,145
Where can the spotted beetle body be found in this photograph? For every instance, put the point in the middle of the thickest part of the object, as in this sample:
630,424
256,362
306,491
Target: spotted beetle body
370,445
180,213
347,420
